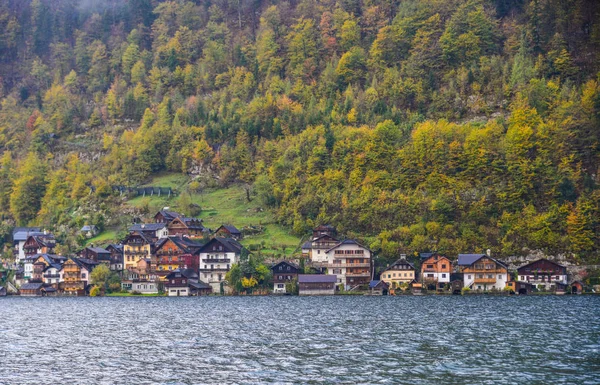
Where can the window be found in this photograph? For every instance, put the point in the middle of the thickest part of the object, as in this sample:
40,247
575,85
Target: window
522,278
443,266
430,266
478,287
172,281
490,276
281,277
468,277
288,268
318,251
83,275
430,275
443,275
499,276
280,267
405,274
280,285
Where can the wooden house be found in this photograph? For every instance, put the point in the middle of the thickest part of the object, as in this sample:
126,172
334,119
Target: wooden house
39,244
229,231
174,253
216,258
89,231
519,287
316,284
284,272
184,226
435,272
185,282
97,254
399,273
166,216
350,262
321,230
19,236
116,256
544,275
481,272
33,289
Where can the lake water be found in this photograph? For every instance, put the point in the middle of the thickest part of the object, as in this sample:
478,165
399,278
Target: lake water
345,340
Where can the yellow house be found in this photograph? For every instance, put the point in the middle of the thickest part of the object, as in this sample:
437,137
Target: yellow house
135,247
398,273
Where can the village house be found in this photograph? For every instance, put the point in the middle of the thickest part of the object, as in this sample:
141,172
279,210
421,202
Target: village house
229,231
20,235
323,239
185,282
166,216
42,262
544,275
316,284
42,243
97,254
33,289
140,278
435,271
350,262
52,275
398,274
116,256
174,253
189,227
284,272
152,231
216,258
135,247
89,231
481,272
76,275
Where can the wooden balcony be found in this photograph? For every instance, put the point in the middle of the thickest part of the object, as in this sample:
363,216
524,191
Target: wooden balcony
209,260
358,274
485,280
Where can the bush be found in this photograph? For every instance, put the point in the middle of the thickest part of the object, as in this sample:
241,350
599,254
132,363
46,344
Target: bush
135,292
95,292
465,290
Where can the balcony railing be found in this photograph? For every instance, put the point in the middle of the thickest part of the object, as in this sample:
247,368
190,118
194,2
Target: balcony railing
485,280
361,274
51,275
349,265
215,269
227,260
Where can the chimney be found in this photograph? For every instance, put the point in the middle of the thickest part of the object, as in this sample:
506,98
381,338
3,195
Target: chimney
488,252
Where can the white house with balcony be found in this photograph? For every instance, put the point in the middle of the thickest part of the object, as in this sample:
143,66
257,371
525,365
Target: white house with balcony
351,262
216,258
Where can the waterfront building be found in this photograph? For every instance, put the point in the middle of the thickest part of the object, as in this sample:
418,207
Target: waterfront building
316,284
378,287
481,272
323,239
185,282
435,271
399,273
350,262
544,275
216,258
174,253
135,247
116,256
284,272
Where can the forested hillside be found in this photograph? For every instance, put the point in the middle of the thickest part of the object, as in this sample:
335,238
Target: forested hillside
448,125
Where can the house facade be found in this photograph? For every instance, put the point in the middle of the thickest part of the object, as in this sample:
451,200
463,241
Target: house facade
229,231
43,243
435,271
316,284
543,274
481,272
216,258
316,249
350,262
152,231
184,226
116,256
135,247
284,272
399,273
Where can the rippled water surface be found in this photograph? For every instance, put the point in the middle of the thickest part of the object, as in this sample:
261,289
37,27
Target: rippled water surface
349,340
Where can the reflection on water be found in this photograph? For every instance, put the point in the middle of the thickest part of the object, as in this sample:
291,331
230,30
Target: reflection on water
350,340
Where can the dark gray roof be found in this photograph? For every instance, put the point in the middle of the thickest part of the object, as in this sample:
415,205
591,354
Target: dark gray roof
232,229
317,278
425,255
147,227
307,245
31,286
374,283
400,262
230,245
468,259
98,250
200,285
88,228
22,233
347,242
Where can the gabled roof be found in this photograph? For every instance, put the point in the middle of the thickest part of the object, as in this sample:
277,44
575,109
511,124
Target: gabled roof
436,257
139,227
200,285
138,234
89,228
317,278
85,263
43,239
398,263
425,255
230,228
469,259
229,244
307,245
98,250
31,286
285,263
169,215
22,233
190,223
186,245
187,273
347,242
373,284
542,259
116,246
